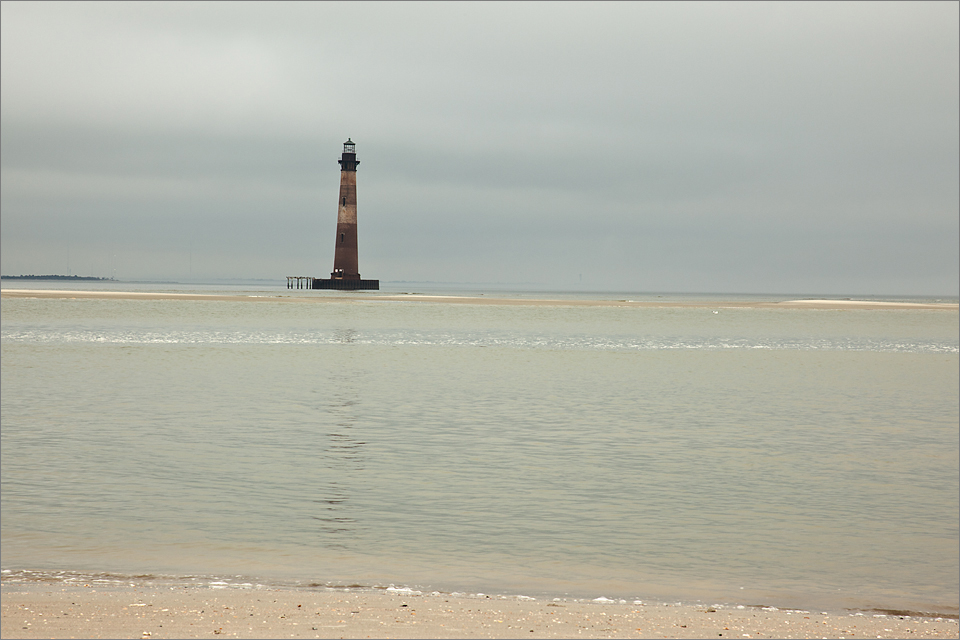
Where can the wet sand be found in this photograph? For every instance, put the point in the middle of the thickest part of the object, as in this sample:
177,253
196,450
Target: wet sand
306,298
48,610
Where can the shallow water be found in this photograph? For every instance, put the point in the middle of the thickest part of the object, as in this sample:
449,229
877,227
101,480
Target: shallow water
795,456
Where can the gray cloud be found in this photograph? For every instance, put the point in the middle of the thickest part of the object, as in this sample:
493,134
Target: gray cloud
727,147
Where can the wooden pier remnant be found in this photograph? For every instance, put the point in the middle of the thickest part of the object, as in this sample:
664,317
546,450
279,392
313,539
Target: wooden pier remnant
299,282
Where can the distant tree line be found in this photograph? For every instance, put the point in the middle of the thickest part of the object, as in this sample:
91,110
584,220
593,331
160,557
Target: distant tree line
52,277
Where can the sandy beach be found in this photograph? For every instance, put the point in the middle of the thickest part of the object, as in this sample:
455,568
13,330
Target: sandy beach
52,610
793,304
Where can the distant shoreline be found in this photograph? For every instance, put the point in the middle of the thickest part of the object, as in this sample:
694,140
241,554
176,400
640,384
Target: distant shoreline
440,299
54,277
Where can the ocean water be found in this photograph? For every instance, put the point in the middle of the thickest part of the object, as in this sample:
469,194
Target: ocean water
787,457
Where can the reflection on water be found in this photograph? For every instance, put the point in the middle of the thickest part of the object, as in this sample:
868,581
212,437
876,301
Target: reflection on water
343,456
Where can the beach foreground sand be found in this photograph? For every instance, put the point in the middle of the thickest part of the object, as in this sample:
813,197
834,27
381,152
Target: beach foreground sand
320,298
56,611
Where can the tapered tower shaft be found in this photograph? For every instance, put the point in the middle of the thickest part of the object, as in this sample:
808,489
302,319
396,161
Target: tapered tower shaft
345,264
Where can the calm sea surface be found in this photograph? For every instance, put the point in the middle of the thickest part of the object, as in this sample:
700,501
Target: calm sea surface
791,457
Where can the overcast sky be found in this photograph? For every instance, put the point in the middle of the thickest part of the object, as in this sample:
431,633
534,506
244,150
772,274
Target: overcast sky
718,147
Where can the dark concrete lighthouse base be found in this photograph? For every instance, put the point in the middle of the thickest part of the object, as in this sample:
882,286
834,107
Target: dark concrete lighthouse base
344,284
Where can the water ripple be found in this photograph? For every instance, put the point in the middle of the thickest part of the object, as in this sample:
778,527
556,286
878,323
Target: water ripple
137,336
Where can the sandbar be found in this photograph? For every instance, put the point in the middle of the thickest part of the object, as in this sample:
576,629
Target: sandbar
53,610
477,300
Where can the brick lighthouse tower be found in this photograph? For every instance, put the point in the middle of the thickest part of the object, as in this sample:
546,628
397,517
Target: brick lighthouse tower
346,272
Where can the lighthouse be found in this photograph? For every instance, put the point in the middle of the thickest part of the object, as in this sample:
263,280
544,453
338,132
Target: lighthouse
346,270
345,256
